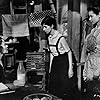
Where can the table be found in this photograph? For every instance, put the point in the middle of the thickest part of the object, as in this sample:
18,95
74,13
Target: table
21,92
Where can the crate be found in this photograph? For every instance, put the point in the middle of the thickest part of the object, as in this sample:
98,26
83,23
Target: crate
35,60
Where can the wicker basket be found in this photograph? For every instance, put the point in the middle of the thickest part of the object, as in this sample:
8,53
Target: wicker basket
38,96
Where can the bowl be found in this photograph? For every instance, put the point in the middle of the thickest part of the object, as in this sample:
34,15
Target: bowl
38,96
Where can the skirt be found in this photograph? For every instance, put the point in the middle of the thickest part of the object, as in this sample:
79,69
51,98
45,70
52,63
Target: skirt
59,82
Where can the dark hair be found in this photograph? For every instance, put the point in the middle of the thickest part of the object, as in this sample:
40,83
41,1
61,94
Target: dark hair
96,10
48,20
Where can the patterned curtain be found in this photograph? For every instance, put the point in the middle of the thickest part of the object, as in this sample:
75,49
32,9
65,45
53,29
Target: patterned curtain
35,19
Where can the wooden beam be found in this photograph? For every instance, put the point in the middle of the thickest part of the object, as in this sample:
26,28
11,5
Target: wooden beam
11,8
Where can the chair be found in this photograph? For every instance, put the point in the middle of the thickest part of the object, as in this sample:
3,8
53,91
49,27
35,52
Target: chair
18,6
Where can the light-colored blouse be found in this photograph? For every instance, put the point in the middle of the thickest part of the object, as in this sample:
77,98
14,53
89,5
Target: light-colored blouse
62,45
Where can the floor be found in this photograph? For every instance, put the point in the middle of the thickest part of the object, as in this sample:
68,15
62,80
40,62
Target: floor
10,76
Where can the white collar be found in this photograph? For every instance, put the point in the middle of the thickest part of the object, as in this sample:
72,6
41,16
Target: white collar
55,35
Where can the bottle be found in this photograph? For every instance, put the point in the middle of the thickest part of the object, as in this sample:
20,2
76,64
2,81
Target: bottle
21,72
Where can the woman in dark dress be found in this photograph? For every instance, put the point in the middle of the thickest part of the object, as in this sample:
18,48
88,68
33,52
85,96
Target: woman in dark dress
61,67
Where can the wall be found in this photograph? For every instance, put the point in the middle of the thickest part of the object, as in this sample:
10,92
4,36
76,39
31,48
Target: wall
72,7
4,9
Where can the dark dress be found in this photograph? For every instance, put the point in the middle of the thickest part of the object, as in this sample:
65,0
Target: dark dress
59,83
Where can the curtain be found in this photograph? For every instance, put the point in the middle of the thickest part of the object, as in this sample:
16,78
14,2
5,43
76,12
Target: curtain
15,25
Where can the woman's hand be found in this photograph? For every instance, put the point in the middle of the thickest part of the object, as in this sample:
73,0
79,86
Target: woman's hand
70,72
85,78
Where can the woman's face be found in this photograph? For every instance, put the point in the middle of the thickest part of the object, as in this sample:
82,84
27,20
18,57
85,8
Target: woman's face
47,29
93,17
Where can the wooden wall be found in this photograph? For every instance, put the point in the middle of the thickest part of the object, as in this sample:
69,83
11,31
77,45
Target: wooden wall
74,26
73,8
